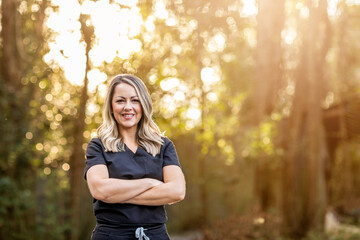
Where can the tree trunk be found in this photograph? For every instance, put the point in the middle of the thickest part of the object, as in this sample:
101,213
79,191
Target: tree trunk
269,56
11,60
267,83
77,159
304,195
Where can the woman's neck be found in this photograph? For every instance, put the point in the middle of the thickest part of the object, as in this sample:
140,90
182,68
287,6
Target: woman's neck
129,136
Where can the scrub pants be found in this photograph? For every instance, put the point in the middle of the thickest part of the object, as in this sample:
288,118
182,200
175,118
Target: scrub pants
157,232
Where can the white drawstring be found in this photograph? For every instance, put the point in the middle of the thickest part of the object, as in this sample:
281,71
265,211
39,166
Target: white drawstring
139,234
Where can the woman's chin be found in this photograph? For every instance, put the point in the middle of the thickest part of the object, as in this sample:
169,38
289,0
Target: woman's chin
127,126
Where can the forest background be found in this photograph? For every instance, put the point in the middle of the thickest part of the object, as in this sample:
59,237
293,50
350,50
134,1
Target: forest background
261,98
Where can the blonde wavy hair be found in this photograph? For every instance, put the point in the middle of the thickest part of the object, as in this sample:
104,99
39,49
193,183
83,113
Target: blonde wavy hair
148,134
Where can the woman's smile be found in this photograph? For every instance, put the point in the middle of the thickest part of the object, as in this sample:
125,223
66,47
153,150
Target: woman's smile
128,116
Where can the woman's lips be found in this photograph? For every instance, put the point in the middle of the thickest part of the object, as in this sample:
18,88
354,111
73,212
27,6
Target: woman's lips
128,115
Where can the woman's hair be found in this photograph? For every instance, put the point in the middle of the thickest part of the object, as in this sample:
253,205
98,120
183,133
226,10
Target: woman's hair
148,134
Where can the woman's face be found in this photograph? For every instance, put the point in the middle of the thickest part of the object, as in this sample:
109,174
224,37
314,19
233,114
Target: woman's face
126,106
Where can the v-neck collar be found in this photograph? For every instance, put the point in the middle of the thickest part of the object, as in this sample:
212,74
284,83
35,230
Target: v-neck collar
131,151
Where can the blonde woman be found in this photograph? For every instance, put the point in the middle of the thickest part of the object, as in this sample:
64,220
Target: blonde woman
132,170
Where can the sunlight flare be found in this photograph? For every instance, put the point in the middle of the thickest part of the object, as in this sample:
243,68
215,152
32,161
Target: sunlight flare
249,8
217,43
169,83
209,75
160,10
96,78
66,49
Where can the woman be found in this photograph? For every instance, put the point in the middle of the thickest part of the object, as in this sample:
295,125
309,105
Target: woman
131,169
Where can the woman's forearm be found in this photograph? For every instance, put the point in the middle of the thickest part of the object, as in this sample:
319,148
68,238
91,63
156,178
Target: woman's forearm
144,191
171,191
166,193
112,190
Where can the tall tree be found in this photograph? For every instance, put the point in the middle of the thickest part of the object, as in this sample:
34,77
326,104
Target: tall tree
77,160
270,23
11,37
267,82
303,182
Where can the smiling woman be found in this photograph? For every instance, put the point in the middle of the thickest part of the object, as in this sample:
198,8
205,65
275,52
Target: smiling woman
131,163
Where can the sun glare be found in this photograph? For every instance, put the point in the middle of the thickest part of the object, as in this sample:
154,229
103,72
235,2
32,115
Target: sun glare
118,22
249,8
160,10
114,29
96,78
289,35
169,83
149,24
354,2
217,43
209,75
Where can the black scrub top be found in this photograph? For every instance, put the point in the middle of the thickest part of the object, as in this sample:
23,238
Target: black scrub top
129,165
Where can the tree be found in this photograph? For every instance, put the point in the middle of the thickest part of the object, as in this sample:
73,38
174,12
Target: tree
267,83
77,159
303,183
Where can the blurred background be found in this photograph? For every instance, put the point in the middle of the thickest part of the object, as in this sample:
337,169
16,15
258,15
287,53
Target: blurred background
261,98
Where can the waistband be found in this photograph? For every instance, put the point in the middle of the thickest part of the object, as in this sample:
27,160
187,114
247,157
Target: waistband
124,227
138,231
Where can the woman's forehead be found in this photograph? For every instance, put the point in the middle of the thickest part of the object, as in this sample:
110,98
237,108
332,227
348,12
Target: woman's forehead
125,90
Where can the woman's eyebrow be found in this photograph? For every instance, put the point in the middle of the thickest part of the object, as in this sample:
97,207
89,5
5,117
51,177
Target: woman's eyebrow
125,97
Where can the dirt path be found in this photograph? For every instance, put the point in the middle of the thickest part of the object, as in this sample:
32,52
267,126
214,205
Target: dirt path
193,235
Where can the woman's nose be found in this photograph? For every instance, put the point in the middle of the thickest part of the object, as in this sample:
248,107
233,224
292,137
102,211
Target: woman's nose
128,105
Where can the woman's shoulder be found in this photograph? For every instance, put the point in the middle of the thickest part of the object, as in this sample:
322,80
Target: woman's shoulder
166,140
95,142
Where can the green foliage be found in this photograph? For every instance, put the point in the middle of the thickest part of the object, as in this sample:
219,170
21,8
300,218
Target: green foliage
16,210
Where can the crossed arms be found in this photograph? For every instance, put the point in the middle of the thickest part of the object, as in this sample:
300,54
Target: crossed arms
144,191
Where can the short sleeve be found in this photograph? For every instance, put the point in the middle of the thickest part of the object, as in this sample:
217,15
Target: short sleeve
94,154
169,154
